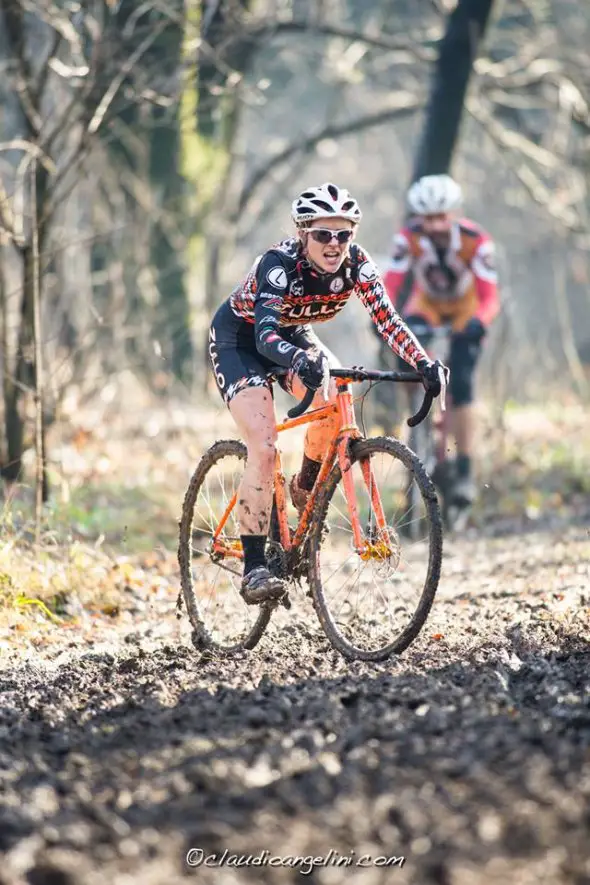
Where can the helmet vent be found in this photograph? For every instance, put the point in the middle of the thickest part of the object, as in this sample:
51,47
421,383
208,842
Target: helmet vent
321,204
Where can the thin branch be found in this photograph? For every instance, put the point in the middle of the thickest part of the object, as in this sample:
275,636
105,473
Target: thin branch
536,189
143,195
514,64
45,67
34,119
21,144
538,70
117,81
411,41
6,213
134,17
405,104
54,17
407,48
516,100
76,163
67,72
32,154
509,138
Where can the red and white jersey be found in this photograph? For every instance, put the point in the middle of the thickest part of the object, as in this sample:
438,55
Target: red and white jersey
459,278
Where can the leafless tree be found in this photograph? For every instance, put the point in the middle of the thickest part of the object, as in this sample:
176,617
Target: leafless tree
70,76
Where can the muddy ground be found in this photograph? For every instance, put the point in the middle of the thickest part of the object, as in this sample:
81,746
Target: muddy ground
468,756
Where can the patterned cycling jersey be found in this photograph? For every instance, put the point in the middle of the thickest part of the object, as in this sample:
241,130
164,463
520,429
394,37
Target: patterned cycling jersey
463,271
284,289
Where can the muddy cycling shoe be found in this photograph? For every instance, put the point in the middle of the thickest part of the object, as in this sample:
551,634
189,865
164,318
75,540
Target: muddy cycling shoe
299,496
463,492
260,586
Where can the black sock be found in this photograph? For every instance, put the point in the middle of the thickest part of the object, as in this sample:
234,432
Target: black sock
254,555
308,473
463,466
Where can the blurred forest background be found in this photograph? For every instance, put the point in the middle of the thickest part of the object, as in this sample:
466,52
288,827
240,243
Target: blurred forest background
149,150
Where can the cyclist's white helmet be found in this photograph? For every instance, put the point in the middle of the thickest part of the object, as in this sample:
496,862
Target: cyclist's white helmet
434,193
324,201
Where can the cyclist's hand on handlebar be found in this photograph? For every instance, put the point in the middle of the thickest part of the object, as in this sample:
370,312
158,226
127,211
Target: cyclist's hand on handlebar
312,368
474,330
435,376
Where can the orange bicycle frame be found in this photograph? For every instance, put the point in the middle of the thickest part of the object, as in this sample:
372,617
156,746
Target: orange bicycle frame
337,449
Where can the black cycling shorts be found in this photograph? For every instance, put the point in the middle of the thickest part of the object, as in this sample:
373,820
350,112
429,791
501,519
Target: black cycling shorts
236,362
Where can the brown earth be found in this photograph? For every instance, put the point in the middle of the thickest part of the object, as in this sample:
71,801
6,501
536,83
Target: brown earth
121,749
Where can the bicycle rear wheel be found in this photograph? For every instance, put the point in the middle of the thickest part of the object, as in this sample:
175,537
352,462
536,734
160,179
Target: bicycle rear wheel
211,573
374,603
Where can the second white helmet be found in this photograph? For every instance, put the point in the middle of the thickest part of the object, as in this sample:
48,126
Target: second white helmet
434,193
324,201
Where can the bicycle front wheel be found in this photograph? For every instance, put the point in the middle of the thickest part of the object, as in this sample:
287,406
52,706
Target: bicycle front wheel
372,602
211,567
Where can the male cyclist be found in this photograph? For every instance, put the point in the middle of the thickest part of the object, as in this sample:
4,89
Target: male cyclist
455,282
266,322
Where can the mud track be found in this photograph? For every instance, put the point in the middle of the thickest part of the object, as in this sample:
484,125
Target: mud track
468,755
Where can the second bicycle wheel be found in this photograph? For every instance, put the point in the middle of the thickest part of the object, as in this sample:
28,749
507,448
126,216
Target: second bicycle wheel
373,603
211,567
421,443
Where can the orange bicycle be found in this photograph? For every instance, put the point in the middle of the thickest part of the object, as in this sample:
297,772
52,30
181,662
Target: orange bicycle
372,586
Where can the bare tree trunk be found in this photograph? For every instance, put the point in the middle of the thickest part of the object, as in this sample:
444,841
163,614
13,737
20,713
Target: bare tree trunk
24,371
4,326
458,50
40,483
16,381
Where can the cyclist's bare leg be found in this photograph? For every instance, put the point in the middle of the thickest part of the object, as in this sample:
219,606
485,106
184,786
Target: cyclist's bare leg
253,411
463,427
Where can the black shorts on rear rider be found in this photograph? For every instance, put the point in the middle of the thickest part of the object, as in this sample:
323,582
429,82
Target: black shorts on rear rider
236,362
462,361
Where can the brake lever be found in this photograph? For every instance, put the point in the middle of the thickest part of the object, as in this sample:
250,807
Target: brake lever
443,389
422,411
302,406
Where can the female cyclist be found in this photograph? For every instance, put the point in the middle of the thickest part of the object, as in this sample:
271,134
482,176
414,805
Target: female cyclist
266,322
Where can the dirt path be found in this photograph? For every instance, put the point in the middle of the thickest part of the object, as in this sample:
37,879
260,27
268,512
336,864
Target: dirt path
468,756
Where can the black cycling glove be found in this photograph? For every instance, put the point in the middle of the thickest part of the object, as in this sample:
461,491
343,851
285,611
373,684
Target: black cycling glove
431,377
311,367
474,330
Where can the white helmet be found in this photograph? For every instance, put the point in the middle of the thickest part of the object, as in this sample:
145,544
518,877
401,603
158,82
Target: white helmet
434,193
324,201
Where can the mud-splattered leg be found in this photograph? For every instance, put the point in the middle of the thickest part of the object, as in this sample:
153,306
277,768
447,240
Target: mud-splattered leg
253,411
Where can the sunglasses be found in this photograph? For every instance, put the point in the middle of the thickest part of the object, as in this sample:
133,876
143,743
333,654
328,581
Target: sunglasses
325,235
